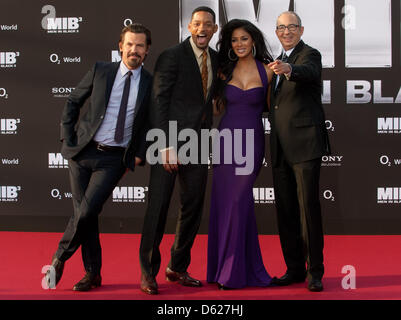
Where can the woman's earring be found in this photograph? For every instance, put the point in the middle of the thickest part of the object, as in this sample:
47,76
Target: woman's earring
230,57
254,50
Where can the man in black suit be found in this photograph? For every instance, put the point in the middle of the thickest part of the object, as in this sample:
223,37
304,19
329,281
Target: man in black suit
298,141
108,139
184,80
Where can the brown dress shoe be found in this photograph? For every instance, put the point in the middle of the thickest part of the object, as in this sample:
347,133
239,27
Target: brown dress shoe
58,266
149,284
183,278
88,282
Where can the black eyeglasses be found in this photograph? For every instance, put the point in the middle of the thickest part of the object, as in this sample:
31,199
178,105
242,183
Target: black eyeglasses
290,27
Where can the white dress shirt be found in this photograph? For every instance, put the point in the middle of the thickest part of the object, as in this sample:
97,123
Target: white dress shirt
105,134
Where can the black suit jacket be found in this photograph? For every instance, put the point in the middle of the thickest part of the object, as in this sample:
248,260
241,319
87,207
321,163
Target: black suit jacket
97,85
177,90
296,114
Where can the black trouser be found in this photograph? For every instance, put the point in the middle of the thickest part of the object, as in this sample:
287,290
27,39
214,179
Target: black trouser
192,179
299,215
93,177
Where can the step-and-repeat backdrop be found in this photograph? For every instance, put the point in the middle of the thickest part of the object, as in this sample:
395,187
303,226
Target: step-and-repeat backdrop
47,46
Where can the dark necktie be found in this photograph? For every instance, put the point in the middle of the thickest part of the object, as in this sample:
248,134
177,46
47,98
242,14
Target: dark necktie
119,133
204,73
284,58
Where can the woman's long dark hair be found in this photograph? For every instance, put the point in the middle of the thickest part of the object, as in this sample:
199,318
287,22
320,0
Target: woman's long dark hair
226,66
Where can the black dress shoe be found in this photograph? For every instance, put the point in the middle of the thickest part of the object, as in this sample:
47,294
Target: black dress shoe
288,279
58,266
183,278
315,285
149,285
88,282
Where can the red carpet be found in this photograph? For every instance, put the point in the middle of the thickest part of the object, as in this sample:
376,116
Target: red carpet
377,260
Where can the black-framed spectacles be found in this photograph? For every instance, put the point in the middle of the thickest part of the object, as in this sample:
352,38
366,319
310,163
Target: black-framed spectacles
290,27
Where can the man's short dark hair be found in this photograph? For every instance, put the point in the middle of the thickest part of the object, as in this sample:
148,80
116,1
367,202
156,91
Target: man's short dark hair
137,28
206,9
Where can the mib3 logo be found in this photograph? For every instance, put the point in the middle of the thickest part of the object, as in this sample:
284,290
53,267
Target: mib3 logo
9,59
332,161
54,24
129,194
9,193
266,125
56,161
61,92
9,126
389,125
263,195
388,195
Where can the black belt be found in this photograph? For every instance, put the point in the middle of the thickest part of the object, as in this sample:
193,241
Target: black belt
106,148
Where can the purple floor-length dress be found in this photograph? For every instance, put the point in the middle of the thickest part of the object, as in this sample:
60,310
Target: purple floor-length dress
234,257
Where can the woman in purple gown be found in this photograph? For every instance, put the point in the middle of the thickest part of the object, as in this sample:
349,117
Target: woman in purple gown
234,257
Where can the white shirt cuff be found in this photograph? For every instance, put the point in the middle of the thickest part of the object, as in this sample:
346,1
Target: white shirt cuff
166,149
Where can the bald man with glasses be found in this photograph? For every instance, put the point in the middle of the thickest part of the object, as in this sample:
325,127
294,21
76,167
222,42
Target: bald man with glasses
298,141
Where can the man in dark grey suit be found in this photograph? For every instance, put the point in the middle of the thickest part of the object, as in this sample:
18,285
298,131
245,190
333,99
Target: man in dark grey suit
108,139
184,81
298,141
